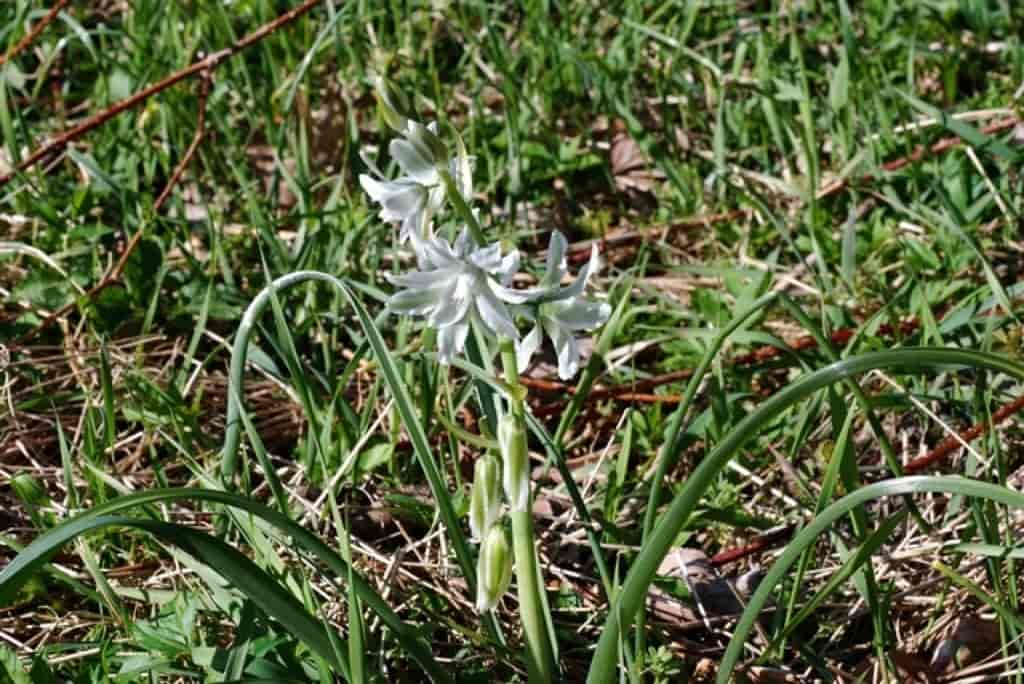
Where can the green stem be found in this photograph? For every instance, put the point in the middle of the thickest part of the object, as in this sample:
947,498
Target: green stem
465,213
533,607
539,659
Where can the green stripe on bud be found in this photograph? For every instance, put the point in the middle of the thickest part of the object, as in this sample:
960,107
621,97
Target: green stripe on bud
485,499
493,570
515,457
394,106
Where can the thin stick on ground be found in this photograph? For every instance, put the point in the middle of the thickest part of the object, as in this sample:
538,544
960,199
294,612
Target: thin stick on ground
205,65
31,36
115,273
918,154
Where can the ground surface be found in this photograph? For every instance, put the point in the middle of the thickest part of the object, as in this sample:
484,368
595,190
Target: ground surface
860,159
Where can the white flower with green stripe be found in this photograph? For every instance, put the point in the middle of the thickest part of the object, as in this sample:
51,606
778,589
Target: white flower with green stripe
561,312
456,284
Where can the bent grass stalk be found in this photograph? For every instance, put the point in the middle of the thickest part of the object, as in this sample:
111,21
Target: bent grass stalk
634,590
898,486
392,377
36,554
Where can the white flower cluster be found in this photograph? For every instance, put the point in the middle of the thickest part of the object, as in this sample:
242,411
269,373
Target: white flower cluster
463,283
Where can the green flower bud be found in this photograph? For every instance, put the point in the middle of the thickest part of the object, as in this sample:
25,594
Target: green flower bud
485,499
516,460
493,570
426,141
394,106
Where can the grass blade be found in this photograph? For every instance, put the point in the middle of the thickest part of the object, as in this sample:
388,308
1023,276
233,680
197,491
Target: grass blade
634,589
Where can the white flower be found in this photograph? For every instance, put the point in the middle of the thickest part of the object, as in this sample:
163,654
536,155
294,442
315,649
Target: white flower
561,311
419,192
456,284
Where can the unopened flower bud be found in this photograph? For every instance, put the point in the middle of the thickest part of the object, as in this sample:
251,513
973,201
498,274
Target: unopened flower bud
515,457
394,106
493,570
485,499
425,139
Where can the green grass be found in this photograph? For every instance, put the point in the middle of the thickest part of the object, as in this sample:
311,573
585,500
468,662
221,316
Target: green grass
618,123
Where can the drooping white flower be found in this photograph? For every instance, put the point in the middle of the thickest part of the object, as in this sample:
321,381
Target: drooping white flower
456,284
419,191
560,312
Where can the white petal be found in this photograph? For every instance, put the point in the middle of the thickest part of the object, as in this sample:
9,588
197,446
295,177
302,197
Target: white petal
508,268
446,344
580,314
412,302
507,294
412,225
488,258
370,163
433,252
528,346
399,199
592,266
451,308
413,162
422,280
435,200
555,266
461,331
464,244
451,340
494,315
565,348
462,170
373,187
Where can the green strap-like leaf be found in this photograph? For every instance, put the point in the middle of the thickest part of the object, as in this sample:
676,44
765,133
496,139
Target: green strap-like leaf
658,544
400,393
26,563
247,577
898,486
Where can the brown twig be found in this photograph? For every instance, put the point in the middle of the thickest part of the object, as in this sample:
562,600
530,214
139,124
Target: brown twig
579,252
115,273
918,154
205,71
944,449
760,543
632,392
635,391
839,337
205,65
179,170
34,33
953,442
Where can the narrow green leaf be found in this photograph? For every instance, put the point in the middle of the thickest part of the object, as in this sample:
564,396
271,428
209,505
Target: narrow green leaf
657,546
965,131
887,488
36,554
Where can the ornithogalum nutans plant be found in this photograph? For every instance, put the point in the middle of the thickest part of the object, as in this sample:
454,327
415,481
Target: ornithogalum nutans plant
461,285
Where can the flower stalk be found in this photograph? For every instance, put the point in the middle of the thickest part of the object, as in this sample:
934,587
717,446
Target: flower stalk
463,288
533,606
